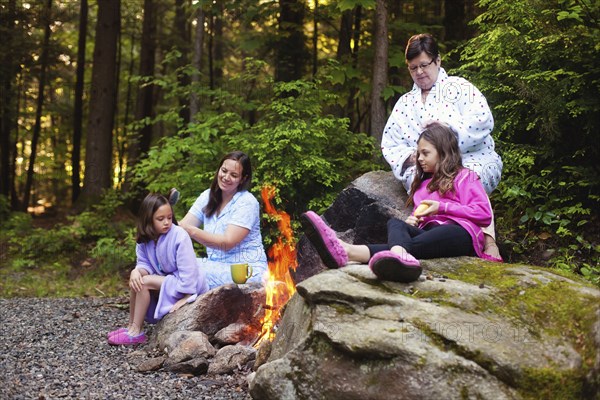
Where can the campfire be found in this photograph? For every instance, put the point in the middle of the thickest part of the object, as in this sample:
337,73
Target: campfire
282,256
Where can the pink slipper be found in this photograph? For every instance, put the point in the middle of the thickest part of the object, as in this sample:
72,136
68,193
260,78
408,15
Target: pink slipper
390,266
113,333
324,239
124,339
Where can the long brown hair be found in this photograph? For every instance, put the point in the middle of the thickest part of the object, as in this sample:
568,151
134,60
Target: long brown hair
215,197
450,161
145,224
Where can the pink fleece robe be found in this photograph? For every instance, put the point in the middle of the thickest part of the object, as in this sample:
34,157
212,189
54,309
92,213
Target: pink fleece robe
468,206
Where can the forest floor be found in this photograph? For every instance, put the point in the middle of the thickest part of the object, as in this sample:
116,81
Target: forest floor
57,348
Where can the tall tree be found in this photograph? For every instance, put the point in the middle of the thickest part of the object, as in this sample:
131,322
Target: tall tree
182,43
78,101
215,44
315,38
197,59
8,69
380,67
291,44
345,35
98,158
37,128
455,22
140,143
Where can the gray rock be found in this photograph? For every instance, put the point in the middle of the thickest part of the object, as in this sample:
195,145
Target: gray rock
184,345
196,366
214,311
469,329
151,364
345,335
230,358
359,215
235,333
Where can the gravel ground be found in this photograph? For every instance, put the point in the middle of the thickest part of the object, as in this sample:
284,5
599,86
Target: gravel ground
56,348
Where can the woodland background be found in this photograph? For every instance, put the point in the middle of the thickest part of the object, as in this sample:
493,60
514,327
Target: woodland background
104,100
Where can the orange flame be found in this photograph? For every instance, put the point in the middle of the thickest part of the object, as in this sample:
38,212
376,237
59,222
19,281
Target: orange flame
282,256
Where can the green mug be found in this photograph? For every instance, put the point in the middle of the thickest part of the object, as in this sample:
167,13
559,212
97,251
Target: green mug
240,273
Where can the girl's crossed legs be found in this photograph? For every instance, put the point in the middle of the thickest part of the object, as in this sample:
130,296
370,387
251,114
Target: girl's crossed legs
447,240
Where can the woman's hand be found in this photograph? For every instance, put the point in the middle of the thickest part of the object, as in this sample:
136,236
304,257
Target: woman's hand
136,281
179,303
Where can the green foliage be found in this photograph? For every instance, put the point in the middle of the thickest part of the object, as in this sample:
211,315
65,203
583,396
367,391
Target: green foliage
4,208
187,162
536,62
294,143
115,254
56,261
308,155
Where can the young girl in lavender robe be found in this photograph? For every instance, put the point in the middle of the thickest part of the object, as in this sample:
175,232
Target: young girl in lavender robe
450,208
166,275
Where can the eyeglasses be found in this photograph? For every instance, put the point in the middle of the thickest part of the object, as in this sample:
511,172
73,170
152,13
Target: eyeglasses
421,66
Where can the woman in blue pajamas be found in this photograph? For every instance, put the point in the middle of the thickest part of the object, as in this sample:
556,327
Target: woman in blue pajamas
226,220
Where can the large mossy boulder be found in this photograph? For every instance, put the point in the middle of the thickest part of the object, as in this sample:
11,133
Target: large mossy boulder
474,330
467,329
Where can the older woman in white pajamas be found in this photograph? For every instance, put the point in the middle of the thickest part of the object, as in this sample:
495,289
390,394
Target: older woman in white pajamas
454,101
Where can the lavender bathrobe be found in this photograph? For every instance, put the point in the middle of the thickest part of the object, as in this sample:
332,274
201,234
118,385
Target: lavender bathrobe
172,257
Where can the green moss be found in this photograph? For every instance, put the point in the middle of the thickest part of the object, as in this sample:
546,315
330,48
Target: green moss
546,383
342,308
490,274
440,296
554,309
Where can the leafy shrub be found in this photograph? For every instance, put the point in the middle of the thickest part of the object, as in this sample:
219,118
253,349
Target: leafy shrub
4,208
306,154
65,239
535,60
115,254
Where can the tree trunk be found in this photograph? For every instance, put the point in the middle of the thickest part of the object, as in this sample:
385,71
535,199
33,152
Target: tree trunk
380,66
15,202
123,146
145,97
140,142
197,61
182,43
291,50
78,102
9,72
98,160
353,105
345,36
218,59
40,103
315,38
455,22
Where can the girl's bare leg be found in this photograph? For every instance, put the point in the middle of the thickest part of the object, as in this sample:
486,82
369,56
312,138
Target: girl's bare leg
141,302
401,251
356,252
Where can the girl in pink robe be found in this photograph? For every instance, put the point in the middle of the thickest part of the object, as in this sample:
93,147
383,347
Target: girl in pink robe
454,209
166,275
